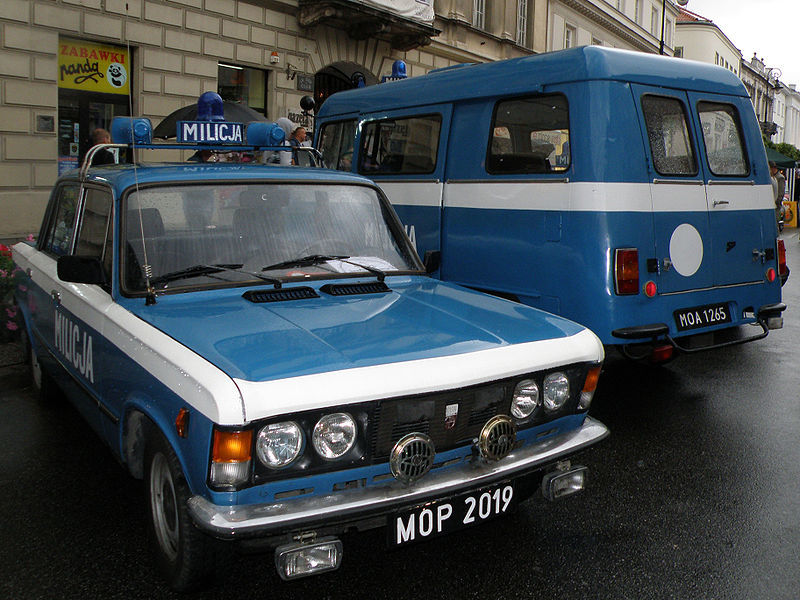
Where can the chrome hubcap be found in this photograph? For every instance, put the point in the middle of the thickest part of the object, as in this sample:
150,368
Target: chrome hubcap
163,503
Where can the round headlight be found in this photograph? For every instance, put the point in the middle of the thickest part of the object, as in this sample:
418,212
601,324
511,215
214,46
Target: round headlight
556,391
334,435
526,399
279,444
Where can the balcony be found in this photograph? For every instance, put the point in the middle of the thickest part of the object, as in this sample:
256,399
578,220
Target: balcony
362,22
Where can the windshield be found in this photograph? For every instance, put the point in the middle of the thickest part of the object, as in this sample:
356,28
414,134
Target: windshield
258,228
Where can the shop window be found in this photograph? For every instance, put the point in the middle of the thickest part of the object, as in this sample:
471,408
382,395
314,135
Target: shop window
530,135
243,85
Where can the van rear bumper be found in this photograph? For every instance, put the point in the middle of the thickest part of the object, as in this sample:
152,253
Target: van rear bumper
768,316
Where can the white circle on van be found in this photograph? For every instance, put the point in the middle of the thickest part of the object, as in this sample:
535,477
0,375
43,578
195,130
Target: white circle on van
686,249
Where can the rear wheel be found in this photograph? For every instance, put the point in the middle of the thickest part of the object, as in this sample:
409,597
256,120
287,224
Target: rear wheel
41,381
183,554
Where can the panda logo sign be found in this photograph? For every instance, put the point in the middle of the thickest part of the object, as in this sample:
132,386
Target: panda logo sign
116,75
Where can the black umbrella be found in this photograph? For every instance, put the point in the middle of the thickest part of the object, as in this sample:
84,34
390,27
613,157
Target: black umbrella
234,112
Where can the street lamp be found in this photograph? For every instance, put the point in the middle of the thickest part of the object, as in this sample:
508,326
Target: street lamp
663,20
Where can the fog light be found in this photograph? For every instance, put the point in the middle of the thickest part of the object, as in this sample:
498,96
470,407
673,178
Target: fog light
661,354
564,483
300,560
775,322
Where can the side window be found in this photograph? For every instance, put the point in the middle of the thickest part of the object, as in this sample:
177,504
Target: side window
668,133
400,146
530,135
722,136
336,144
95,237
61,227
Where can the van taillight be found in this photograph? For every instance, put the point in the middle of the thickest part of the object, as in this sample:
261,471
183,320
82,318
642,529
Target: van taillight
626,271
782,269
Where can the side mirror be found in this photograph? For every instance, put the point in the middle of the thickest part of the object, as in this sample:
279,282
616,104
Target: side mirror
432,261
81,269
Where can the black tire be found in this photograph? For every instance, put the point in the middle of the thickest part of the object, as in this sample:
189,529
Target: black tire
183,554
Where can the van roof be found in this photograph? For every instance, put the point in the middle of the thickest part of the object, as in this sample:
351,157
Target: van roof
532,73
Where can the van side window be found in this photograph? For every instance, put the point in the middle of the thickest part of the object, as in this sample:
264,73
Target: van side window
59,235
336,144
722,136
668,133
530,135
400,146
95,237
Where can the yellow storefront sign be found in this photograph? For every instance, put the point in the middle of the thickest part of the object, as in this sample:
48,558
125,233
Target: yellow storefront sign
93,67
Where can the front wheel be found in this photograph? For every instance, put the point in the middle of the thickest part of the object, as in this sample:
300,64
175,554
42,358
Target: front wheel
183,554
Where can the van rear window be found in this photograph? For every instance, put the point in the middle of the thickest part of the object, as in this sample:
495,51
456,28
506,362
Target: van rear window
400,146
668,133
722,135
530,135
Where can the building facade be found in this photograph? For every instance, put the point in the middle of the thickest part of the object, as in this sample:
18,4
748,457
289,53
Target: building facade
69,66
628,24
698,38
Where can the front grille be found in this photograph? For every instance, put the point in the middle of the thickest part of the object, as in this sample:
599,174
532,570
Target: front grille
428,414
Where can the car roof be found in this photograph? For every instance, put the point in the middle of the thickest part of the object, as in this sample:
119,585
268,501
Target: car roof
532,73
123,176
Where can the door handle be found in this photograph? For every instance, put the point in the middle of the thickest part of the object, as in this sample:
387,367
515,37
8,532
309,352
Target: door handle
56,297
718,202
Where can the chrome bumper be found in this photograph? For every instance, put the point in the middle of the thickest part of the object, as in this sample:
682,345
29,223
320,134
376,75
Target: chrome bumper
254,520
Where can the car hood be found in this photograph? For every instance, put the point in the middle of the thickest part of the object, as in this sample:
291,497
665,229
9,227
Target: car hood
419,318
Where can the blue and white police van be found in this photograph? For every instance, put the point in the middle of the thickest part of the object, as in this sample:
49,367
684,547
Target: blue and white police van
625,191
261,345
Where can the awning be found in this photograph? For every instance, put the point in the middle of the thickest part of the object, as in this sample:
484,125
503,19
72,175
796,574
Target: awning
779,159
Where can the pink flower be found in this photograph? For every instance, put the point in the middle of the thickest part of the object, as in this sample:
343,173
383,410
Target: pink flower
3,273
11,326
29,238
11,311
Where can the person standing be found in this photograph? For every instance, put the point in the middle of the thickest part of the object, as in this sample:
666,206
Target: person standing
777,190
104,156
295,141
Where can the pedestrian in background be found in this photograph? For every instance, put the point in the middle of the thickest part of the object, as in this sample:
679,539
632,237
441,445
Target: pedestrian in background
104,156
295,141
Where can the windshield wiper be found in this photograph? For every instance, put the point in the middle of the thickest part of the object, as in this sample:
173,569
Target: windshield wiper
201,269
316,259
305,261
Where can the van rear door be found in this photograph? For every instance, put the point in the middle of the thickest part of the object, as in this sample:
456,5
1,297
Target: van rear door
741,213
682,232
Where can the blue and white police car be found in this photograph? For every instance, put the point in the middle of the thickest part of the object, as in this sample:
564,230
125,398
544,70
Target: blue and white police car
261,345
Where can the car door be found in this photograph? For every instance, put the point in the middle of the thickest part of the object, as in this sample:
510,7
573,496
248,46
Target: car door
67,317
682,233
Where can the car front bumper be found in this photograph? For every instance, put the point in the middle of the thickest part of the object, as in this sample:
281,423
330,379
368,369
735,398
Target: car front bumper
350,506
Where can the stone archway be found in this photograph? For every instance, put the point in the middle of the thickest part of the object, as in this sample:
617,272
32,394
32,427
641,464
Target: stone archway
340,76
